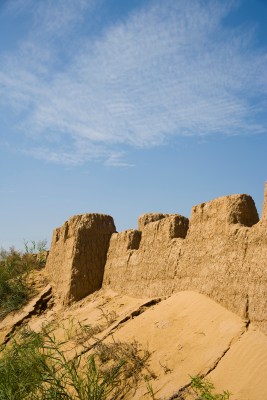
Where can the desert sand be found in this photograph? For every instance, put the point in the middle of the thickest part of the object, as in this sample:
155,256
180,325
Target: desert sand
191,292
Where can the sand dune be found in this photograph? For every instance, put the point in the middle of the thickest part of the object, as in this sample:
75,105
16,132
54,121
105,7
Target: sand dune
187,334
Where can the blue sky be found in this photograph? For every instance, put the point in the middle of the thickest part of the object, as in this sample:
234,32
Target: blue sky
128,106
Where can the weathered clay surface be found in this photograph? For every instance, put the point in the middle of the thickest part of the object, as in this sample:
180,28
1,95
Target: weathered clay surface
223,255
264,206
145,219
149,269
78,254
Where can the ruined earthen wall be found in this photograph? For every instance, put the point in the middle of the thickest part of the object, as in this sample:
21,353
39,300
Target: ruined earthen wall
149,270
264,207
223,255
78,254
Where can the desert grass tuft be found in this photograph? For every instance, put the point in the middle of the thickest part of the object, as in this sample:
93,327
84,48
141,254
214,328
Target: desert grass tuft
135,359
35,367
201,389
204,390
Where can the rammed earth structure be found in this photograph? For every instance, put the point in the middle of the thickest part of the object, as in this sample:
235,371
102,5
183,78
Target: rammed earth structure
221,251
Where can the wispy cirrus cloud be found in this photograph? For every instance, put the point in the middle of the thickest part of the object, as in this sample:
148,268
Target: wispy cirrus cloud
169,69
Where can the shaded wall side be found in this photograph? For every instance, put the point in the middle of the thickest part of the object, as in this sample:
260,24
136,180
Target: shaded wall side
256,267
78,255
264,206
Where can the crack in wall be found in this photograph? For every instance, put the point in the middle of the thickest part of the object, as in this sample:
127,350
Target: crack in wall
247,319
128,260
177,263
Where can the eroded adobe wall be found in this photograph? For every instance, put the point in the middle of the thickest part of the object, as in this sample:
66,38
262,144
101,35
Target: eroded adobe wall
223,255
212,259
77,256
264,207
149,269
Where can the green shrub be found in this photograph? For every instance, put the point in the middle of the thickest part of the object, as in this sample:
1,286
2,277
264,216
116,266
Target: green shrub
14,291
14,269
21,369
36,368
205,390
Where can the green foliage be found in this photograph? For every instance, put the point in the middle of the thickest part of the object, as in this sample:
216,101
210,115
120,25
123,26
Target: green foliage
37,368
35,252
14,269
204,390
34,247
20,368
150,389
13,287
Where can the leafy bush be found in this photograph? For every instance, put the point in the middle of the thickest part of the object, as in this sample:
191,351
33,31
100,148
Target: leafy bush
37,368
20,369
205,390
14,269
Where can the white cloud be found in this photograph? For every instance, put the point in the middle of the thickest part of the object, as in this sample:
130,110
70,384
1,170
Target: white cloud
57,17
170,69
117,159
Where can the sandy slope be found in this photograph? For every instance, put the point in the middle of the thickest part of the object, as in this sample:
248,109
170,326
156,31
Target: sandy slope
187,334
243,370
